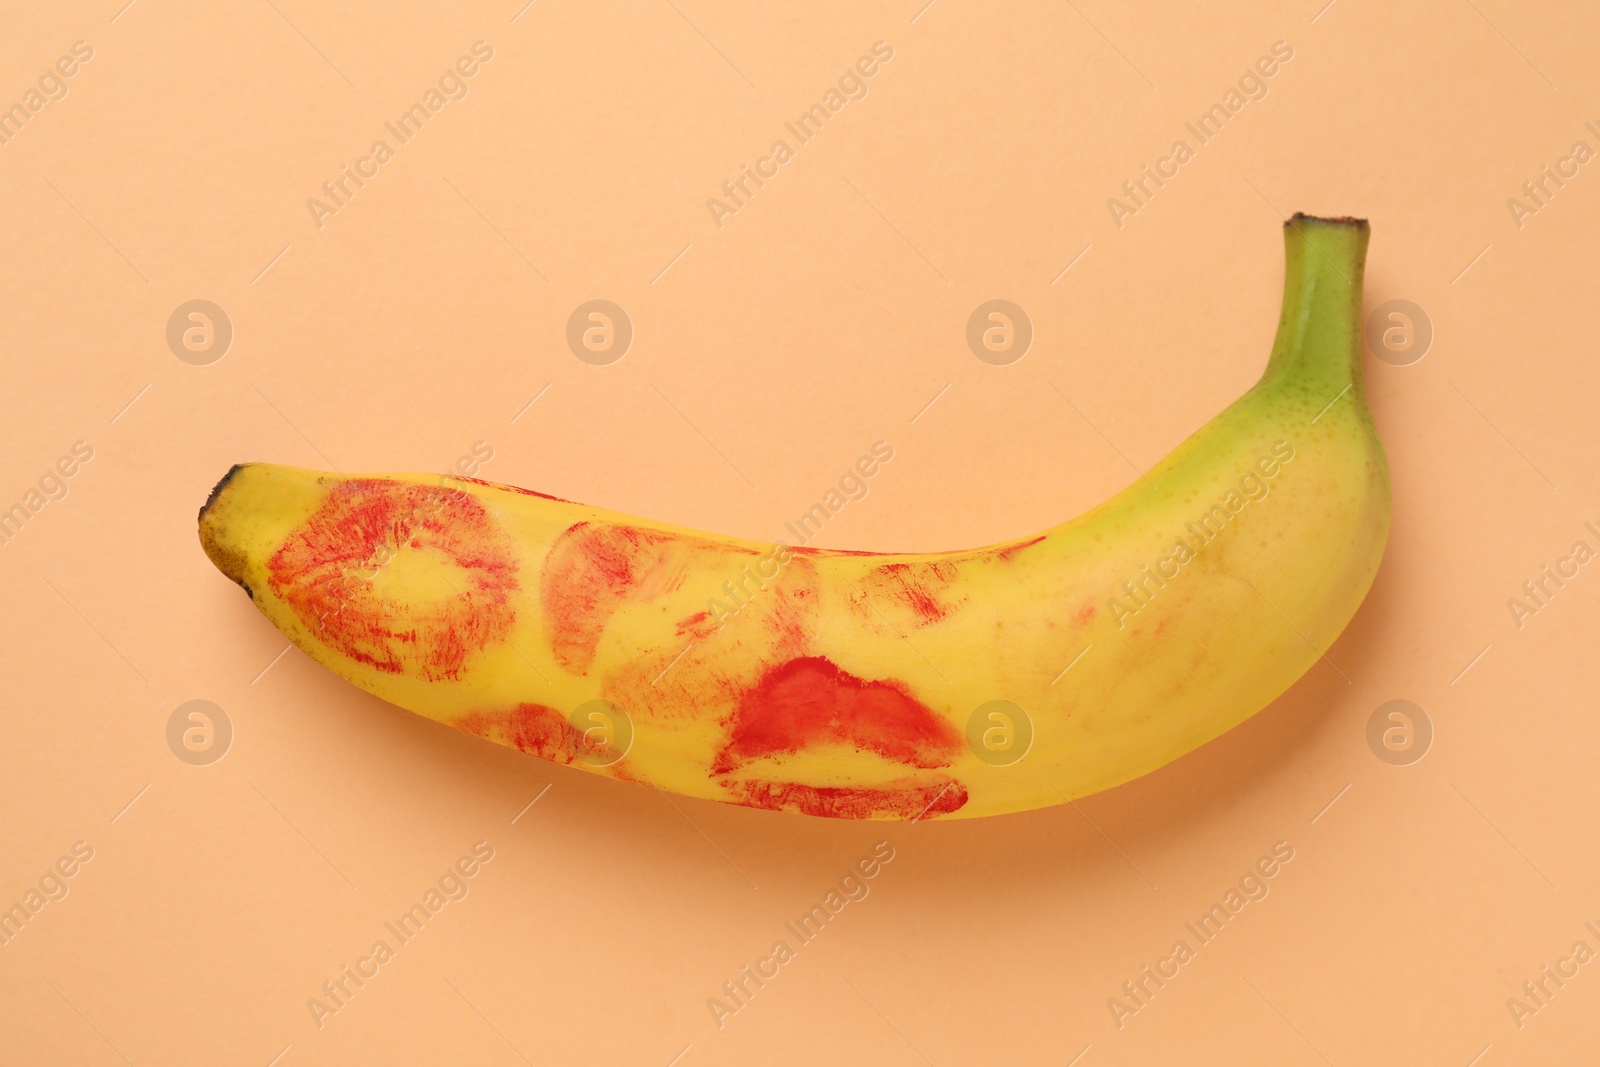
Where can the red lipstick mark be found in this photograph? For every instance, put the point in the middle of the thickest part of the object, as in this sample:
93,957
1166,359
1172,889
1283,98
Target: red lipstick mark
809,701
329,571
702,673
588,573
593,569
901,800
532,728
921,587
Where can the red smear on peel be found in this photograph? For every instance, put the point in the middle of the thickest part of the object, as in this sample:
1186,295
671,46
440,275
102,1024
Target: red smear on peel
588,573
1011,550
716,656
532,728
507,488
595,568
920,587
907,800
696,624
1004,553
810,701
325,569
803,550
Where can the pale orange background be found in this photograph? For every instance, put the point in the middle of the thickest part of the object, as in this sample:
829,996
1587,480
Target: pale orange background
770,353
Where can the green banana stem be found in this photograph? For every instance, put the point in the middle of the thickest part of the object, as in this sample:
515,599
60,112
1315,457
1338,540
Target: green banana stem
1318,348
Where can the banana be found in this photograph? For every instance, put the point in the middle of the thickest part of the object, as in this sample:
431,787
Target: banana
854,684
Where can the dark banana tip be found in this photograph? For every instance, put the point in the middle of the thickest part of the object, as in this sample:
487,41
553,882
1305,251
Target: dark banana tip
216,490
1300,217
214,540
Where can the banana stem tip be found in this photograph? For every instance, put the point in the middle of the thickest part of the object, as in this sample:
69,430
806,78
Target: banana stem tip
1301,217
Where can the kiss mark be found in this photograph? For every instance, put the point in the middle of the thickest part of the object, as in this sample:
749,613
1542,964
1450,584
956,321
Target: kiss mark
810,701
589,572
593,569
330,572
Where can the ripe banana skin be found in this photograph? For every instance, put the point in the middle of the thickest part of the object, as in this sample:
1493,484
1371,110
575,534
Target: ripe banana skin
852,684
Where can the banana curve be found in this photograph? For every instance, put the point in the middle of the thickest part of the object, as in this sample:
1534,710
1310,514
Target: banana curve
848,684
